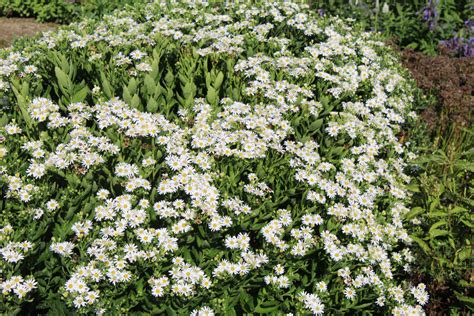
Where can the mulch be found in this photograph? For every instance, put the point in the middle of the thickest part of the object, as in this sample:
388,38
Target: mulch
451,80
12,28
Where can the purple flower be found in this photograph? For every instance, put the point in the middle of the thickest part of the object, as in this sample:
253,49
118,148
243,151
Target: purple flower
429,13
469,24
460,46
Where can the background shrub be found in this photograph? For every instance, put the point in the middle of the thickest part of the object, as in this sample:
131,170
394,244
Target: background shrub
60,11
420,25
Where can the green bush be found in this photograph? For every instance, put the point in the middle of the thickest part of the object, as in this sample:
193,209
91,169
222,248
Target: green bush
443,210
61,11
417,24
173,159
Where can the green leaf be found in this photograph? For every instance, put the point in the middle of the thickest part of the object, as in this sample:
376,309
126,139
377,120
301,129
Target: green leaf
316,125
23,107
414,212
437,214
80,95
211,96
135,101
65,83
413,188
464,254
263,310
106,86
154,68
132,86
25,88
464,165
170,311
218,81
438,233
127,97
363,306
152,106
469,301
438,224
189,90
422,244
158,91
169,78
208,80
458,209
4,120
149,84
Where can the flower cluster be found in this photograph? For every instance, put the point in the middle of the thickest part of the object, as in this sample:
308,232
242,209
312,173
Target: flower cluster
12,253
279,280
248,143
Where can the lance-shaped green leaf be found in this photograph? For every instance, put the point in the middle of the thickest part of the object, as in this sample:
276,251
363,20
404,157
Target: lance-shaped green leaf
422,244
25,88
106,86
80,95
208,80
22,104
127,97
152,106
132,86
155,69
169,78
158,91
189,90
4,120
414,212
218,81
316,125
149,84
64,81
135,103
211,96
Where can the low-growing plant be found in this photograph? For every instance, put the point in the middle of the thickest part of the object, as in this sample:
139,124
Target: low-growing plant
192,158
443,210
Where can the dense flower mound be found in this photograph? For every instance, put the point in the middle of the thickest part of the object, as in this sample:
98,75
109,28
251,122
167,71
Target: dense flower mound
202,159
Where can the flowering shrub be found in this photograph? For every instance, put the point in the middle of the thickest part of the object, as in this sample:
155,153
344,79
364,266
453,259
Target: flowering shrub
199,159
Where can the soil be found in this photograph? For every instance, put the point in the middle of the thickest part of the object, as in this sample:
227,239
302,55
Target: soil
12,28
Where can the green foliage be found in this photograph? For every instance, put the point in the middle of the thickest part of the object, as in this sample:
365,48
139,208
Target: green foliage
61,11
416,24
442,206
98,8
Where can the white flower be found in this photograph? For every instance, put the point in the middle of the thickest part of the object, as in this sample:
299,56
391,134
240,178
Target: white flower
62,248
144,67
136,54
203,311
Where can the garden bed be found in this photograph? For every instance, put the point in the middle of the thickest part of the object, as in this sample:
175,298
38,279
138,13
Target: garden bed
198,162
